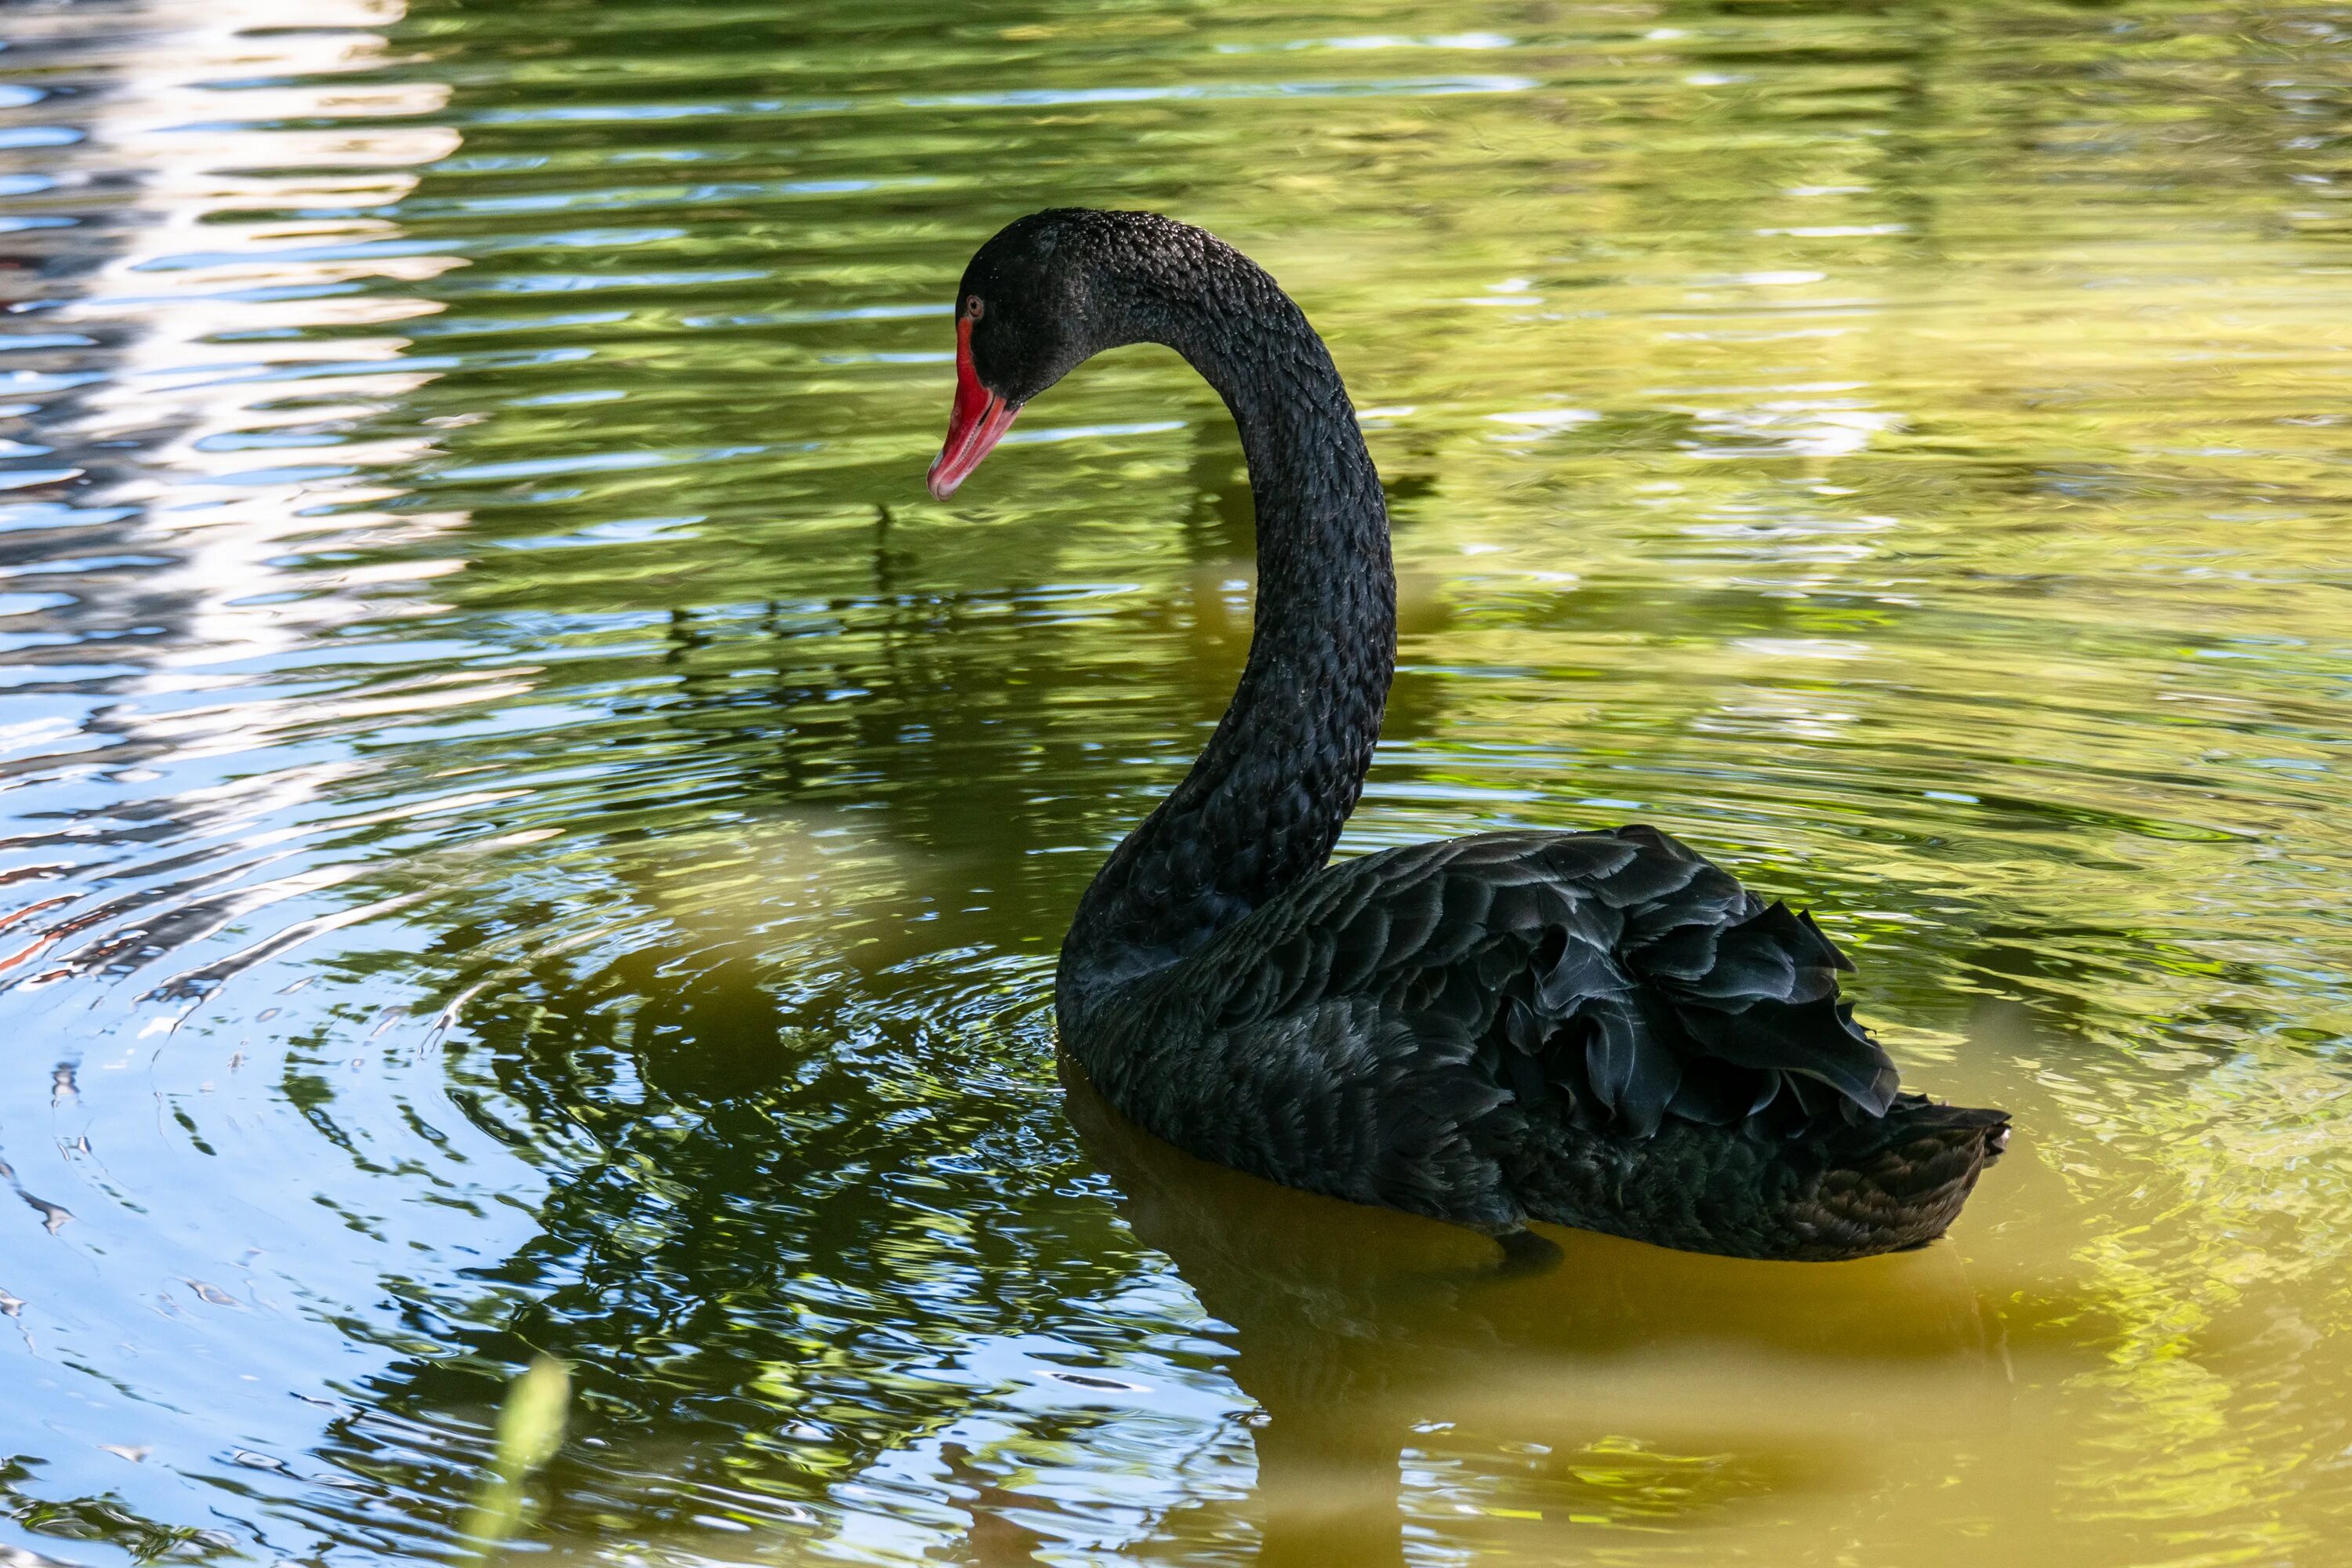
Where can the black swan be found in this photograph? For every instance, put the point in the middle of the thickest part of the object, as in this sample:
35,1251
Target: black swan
1602,1030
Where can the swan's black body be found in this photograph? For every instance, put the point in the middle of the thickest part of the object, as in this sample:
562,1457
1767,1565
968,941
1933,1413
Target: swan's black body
1598,1029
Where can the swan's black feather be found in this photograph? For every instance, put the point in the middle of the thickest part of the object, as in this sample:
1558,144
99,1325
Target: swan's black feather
1598,1029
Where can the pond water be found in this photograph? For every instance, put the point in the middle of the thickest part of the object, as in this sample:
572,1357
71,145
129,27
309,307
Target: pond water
526,831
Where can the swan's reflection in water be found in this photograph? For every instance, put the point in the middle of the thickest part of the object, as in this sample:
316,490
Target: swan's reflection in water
1619,1382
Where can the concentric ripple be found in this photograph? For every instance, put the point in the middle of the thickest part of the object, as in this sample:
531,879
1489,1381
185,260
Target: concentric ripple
523,831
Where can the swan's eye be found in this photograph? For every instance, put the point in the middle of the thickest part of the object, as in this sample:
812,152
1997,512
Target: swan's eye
972,309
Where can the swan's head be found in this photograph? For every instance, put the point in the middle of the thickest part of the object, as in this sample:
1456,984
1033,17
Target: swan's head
1044,294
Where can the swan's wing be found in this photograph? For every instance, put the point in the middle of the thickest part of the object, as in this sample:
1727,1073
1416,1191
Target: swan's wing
1619,977
1338,1096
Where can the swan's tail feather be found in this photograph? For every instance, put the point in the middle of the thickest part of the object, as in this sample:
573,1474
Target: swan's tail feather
1885,1186
1902,1182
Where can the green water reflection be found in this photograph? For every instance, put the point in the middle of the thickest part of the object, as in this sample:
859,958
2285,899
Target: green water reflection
528,832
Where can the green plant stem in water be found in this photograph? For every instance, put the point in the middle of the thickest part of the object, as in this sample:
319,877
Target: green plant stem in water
529,1431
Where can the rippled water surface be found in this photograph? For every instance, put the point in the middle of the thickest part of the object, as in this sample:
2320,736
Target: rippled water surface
526,830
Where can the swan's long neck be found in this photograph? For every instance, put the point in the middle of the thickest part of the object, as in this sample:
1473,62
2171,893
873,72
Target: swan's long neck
1264,801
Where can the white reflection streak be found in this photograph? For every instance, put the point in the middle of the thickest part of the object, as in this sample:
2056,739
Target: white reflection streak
208,144
255,265
1797,427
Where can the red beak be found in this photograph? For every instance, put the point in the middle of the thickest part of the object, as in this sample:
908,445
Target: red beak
976,423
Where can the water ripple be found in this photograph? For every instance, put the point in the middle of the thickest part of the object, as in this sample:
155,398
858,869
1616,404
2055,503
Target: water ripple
527,832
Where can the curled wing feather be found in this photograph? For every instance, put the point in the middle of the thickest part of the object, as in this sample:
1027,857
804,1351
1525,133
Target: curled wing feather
1617,978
